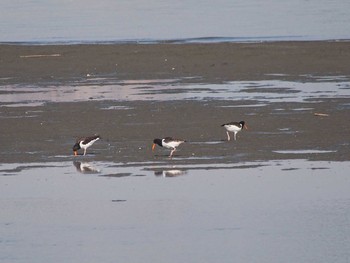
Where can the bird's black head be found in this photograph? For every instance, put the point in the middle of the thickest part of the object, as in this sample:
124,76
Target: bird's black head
244,125
157,141
76,147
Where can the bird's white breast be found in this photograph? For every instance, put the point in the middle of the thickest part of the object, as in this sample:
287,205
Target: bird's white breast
171,144
233,128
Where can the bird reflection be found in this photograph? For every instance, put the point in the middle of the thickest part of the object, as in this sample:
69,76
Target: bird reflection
85,168
169,173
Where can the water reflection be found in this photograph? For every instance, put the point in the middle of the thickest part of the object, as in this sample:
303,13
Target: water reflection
119,171
85,168
48,213
170,173
265,91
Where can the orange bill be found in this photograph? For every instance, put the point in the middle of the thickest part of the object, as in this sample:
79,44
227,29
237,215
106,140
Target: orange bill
153,146
246,126
75,153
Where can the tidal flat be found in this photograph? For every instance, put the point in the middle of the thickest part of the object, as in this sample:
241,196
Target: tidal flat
279,193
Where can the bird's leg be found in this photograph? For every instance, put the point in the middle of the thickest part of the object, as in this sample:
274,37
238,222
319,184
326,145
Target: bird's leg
228,136
234,135
84,152
171,153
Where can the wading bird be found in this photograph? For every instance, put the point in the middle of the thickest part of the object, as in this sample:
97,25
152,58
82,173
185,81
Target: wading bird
84,143
234,127
168,143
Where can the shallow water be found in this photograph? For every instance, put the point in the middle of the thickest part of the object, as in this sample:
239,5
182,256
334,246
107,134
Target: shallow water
52,212
40,21
263,92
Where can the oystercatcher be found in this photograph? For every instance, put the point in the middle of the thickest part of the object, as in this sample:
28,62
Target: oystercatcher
234,127
168,143
84,143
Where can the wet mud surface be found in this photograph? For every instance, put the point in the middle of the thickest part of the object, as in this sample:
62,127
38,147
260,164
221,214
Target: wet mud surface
48,132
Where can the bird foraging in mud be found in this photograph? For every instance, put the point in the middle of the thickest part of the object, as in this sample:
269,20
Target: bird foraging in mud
84,143
234,127
168,143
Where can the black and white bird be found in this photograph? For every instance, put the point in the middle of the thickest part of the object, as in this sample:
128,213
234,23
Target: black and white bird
234,127
168,143
84,143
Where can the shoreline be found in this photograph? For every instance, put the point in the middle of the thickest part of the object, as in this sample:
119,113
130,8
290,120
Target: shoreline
184,41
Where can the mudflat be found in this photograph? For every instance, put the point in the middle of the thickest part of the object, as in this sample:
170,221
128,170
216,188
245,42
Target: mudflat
47,131
204,62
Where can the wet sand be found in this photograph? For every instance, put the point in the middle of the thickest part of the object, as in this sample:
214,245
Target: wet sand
202,62
48,131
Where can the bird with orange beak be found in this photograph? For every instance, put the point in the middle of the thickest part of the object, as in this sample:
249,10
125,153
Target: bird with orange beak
234,127
84,143
168,143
